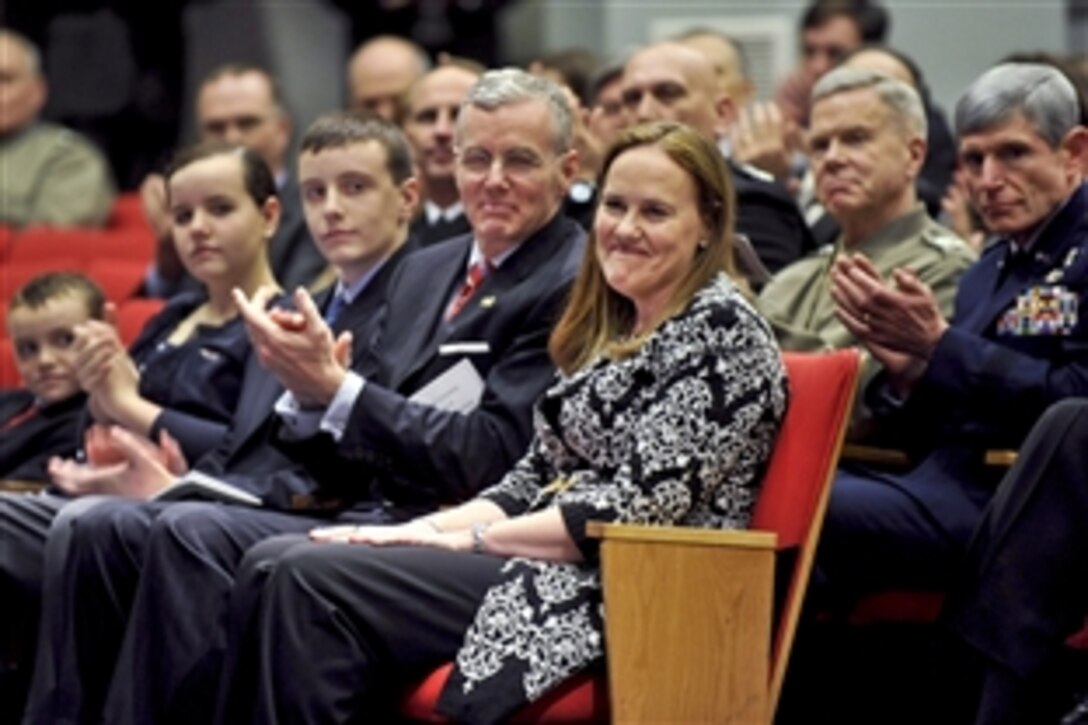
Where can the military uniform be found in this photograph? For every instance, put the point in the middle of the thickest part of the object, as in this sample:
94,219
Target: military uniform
797,301
1018,342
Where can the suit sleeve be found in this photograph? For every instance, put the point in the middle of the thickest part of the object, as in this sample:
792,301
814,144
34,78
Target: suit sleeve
450,456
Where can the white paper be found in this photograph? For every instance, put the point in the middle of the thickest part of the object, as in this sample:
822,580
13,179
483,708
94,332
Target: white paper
457,390
195,484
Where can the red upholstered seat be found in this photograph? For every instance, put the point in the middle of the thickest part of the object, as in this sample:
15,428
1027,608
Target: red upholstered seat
9,374
791,504
128,212
133,314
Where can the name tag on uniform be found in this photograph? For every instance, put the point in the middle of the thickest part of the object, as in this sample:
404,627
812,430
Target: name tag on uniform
1042,310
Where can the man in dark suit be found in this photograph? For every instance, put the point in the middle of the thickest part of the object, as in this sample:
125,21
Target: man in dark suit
1024,585
433,101
1017,341
672,82
439,406
241,104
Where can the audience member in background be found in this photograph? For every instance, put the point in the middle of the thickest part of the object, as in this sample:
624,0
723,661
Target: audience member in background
669,81
388,449
51,175
240,104
729,61
657,335
1024,588
573,71
41,420
867,141
770,135
381,71
432,105
1015,345
830,29
607,115
182,380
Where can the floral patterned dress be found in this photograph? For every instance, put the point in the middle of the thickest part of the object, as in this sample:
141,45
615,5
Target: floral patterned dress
677,434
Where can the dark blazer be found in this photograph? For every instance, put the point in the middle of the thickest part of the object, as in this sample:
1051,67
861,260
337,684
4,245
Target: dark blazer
294,258
25,448
771,220
427,234
1022,589
252,454
416,456
986,384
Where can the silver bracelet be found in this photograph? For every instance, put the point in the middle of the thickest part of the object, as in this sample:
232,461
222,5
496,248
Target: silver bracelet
478,530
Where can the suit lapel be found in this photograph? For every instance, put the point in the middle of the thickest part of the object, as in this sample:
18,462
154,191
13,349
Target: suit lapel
429,329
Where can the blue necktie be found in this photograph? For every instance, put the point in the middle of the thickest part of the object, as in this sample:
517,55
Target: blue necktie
336,306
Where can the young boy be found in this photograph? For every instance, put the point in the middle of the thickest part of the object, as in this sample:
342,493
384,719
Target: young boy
41,421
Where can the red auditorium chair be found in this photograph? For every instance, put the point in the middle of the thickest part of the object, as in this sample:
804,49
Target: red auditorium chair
119,279
698,648
133,314
7,235
132,245
42,245
128,212
9,374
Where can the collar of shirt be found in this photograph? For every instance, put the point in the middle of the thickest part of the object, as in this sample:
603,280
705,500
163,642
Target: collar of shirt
435,213
1023,244
494,262
356,289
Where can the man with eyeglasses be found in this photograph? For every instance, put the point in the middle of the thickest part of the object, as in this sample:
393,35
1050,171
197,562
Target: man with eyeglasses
441,409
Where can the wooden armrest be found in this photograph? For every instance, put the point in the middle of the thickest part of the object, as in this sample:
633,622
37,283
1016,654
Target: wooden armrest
12,486
898,459
681,535
1002,458
873,454
688,630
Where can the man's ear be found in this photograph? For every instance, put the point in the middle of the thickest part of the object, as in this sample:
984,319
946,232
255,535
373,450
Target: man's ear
1075,144
917,146
727,114
409,195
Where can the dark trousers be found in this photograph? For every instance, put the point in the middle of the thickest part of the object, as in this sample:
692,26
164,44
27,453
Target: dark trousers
903,530
1025,587
34,534
148,588
324,633
146,618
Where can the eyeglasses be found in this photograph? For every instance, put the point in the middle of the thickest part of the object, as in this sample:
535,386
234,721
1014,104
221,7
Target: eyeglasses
515,163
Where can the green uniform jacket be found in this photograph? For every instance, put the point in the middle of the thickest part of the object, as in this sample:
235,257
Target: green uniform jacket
797,301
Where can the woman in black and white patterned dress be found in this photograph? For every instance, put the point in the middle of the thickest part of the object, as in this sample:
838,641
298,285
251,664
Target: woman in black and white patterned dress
670,399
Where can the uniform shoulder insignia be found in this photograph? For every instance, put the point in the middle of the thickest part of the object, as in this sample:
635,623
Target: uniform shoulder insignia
944,241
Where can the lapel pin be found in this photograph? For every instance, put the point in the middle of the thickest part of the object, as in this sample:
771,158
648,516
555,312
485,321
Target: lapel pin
487,302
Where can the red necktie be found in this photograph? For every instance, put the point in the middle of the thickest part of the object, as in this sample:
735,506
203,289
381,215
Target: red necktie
20,417
475,277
